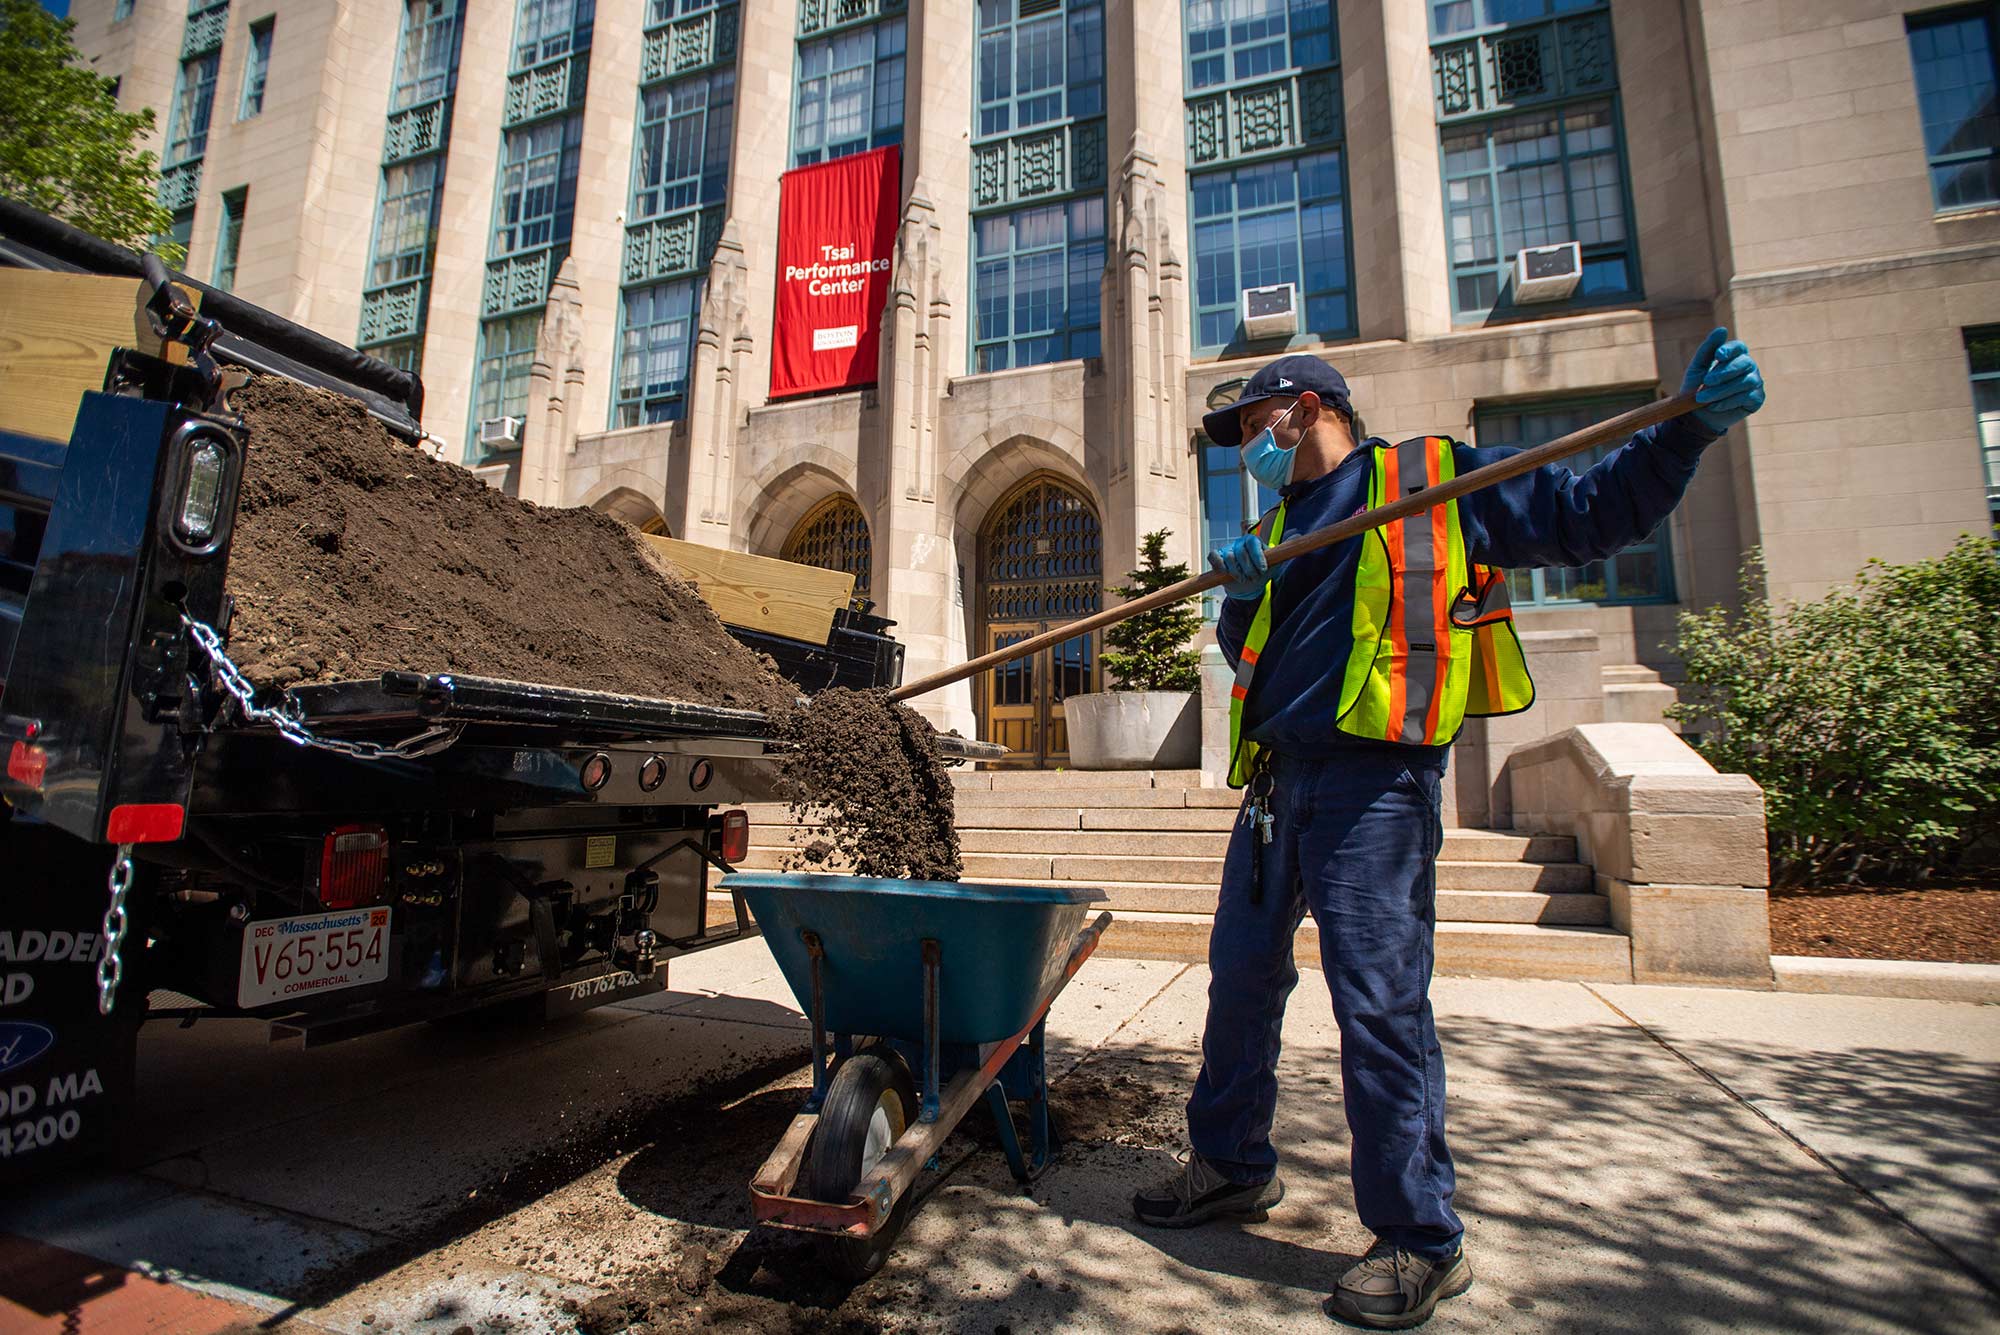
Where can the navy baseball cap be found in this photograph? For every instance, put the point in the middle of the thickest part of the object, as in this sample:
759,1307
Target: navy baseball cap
1286,377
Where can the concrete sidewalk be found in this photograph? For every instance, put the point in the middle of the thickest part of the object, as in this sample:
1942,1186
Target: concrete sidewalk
1630,1158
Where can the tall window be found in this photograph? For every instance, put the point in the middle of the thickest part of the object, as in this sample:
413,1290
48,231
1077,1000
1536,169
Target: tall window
683,151
654,341
229,238
1276,222
1038,135
406,224
551,28
256,68
537,200
1040,66
1036,273
194,103
424,63
1263,111
1530,177
405,354
121,11
506,352
1642,573
1982,349
850,95
1956,92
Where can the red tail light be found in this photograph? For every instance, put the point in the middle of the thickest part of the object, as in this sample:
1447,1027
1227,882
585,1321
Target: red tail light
353,864
735,835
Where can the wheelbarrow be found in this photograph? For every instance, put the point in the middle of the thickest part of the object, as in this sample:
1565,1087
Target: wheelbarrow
923,997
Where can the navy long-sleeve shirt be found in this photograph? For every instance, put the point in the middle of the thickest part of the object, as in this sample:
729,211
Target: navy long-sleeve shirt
1549,517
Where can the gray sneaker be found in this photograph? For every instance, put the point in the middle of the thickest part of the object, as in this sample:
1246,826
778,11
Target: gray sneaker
1198,1194
1392,1289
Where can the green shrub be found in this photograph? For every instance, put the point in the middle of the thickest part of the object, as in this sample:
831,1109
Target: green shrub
1871,718
1149,652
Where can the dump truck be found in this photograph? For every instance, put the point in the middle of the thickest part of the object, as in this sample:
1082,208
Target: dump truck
332,859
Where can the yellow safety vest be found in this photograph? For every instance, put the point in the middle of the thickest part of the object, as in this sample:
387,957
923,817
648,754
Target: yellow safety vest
1434,637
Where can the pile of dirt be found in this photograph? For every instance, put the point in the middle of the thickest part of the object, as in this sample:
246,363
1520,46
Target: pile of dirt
1955,924
866,771
356,554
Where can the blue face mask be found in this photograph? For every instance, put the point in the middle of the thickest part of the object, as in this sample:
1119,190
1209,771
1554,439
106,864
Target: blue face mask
1264,460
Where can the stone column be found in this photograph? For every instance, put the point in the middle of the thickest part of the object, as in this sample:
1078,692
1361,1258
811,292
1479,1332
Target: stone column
698,509
555,392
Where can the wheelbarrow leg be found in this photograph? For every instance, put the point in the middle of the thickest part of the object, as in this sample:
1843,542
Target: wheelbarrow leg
929,1103
817,953
1025,1077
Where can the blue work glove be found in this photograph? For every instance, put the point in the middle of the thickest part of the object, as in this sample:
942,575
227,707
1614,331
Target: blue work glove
1724,381
1243,561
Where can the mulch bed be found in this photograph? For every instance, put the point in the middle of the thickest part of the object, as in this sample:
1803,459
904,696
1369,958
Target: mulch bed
1957,924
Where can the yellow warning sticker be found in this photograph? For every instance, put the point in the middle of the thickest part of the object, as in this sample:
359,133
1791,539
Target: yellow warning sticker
600,850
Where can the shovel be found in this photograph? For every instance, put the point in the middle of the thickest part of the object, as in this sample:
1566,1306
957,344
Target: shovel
1576,442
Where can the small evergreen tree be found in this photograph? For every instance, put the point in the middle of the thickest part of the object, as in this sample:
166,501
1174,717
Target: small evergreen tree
65,147
1149,652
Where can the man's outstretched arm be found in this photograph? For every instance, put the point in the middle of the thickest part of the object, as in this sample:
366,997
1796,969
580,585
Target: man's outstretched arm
1554,517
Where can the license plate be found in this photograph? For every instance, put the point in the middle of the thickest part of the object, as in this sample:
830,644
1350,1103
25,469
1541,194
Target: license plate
291,959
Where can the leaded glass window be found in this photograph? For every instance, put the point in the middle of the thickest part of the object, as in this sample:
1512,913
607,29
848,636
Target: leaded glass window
1040,62
424,63
229,238
850,93
683,157
406,222
833,535
256,70
551,28
1531,180
194,103
537,201
506,353
1642,573
1982,349
1240,41
655,342
1280,221
1035,279
1956,93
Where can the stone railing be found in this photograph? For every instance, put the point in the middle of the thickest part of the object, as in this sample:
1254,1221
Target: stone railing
1678,849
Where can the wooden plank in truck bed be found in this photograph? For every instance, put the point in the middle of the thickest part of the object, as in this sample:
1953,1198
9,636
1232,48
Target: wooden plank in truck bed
760,592
57,331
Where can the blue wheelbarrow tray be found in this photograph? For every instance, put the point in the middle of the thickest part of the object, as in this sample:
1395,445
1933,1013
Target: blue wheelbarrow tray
1003,947
956,979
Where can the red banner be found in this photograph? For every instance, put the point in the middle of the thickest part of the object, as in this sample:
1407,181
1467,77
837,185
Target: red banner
836,236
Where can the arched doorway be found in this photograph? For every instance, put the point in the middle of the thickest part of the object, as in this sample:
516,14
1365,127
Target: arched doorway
833,535
1041,563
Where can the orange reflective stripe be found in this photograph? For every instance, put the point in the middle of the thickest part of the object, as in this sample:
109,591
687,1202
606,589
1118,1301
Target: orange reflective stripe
1399,639
1441,576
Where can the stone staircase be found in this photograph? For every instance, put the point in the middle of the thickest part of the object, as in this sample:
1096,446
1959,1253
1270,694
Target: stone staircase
1509,905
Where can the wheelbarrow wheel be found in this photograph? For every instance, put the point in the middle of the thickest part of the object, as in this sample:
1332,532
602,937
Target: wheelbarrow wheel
870,1103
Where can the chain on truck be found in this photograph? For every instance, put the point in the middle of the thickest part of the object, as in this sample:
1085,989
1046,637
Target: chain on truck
334,859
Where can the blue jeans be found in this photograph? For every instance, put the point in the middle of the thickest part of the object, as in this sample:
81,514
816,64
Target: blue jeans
1354,840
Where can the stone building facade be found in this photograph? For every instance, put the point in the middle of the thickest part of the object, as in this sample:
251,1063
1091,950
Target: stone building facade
565,214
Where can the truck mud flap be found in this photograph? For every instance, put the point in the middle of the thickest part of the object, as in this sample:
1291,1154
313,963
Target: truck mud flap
66,1072
571,996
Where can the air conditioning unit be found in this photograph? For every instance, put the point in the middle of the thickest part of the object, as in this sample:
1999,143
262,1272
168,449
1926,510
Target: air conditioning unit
1547,273
1271,312
499,430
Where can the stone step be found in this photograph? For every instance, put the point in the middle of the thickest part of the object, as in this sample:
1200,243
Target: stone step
974,799
1464,949
1206,872
1046,780
1459,845
1520,906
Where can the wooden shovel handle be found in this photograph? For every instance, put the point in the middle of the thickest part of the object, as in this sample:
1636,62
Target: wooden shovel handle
1576,442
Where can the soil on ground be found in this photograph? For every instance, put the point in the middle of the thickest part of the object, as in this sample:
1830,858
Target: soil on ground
1954,924
356,554
895,809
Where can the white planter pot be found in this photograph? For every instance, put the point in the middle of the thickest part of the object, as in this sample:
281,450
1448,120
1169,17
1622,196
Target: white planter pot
1134,730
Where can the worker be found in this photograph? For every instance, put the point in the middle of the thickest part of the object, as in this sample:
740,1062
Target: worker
1355,665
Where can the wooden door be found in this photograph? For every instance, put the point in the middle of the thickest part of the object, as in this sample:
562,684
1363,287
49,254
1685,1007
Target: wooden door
1041,564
